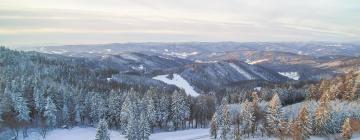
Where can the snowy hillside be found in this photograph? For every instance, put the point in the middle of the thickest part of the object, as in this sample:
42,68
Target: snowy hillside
291,75
178,81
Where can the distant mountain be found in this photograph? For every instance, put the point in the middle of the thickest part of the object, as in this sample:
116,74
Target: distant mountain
185,49
217,75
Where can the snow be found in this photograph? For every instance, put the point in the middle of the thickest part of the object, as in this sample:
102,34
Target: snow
181,54
108,79
257,88
58,52
291,75
108,50
257,61
179,82
78,133
140,67
241,71
88,133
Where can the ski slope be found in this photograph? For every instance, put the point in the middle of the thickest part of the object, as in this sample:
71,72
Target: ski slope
178,81
291,75
241,71
89,133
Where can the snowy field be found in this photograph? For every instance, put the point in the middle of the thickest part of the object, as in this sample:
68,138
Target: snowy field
178,81
78,133
291,75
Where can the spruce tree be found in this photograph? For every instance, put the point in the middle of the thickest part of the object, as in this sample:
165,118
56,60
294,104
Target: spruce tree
226,123
102,132
274,115
248,117
50,113
150,108
145,129
180,109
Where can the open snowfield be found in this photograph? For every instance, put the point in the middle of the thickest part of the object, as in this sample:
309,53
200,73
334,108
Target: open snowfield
291,75
78,133
178,81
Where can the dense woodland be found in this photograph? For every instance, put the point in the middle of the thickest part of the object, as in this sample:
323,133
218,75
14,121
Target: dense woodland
45,92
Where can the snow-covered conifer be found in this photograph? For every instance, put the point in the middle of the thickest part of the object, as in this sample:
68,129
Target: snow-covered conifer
226,123
274,115
248,117
145,129
102,132
180,109
50,113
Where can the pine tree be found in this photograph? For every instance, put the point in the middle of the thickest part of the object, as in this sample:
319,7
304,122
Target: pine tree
39,99
301,128
50,113
346,129
163,109
226,123
65,114
220,110
322,114
180,109
125,113
115,106
214,126
102,132
150,108
248,116
132,130
98,107
274,115
145,129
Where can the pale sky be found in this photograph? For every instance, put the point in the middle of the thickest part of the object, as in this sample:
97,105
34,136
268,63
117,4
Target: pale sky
60,22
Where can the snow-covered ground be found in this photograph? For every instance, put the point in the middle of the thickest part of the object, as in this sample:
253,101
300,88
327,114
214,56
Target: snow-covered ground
291,75
256,61
89,133
178,81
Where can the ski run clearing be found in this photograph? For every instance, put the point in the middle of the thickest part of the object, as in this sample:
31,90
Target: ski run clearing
241,71
89,133
178,81
291,75
78,133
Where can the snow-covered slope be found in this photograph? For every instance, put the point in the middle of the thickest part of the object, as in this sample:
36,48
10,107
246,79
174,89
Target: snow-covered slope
212,76
89,133
241,71
178,81
291,75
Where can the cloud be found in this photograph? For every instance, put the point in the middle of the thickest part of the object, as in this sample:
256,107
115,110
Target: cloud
177,20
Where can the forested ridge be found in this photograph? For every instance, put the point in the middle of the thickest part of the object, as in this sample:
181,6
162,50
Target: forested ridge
46,91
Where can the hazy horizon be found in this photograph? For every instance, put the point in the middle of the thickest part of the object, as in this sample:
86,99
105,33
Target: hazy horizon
50,22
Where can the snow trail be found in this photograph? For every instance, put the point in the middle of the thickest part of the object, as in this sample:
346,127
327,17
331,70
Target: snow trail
241,71
178,81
